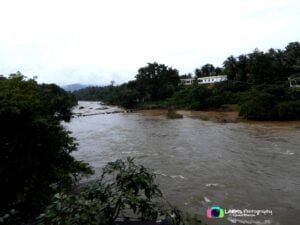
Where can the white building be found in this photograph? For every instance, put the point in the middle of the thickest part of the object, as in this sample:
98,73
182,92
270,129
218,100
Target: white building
212,79
187,81
204,80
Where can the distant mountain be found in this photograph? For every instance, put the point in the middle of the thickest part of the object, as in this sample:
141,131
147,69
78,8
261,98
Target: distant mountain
74,87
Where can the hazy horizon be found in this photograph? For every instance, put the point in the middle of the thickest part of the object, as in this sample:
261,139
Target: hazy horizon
95,42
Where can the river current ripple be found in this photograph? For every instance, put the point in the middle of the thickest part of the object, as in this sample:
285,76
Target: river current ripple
199,163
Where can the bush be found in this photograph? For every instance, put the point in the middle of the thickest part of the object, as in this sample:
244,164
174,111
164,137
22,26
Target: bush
258,105
195,97
171,114
289,110
126,97
270,102
124,189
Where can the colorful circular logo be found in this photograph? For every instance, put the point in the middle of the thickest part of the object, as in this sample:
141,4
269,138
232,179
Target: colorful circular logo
215,212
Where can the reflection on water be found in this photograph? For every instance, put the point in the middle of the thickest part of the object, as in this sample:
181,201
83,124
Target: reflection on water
201,163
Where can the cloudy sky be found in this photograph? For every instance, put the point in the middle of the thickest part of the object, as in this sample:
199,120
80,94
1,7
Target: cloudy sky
95,41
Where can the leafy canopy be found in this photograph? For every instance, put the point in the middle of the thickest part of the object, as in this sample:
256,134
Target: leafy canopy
35,148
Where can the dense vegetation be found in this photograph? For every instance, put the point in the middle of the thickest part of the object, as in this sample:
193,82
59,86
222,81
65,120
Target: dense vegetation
39,176
267,102
153,83
35,148
257,82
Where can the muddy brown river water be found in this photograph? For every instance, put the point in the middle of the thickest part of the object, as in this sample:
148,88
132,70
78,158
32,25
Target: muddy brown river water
200,164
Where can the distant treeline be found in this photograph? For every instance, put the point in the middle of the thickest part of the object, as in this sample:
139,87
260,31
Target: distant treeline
257,82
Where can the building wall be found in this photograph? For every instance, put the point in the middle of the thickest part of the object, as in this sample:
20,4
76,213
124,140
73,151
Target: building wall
212,79
204,80
187,81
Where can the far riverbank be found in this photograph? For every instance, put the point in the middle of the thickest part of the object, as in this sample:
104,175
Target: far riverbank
220,116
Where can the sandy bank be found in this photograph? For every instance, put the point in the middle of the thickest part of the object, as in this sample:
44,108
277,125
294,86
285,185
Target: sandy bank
221,117
215,116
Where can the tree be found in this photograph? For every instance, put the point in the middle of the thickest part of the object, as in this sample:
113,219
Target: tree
242,66
206,70
260,67
195,97
125,96
270,102
35,148
230,67
157,81
186,76
219,71
2,77
258,105
291,57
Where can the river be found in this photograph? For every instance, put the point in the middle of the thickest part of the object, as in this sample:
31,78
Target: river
200,163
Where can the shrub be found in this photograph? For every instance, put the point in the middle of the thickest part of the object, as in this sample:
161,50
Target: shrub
289,110
258,105
270,102
171,114
195,97
124,189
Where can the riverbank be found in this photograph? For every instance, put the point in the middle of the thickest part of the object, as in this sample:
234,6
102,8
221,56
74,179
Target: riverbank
215,116
220,116
228,113
224,114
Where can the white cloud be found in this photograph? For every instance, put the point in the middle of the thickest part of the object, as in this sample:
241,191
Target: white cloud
96,41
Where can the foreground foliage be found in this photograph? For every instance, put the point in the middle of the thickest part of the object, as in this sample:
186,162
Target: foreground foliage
35,148
124,190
